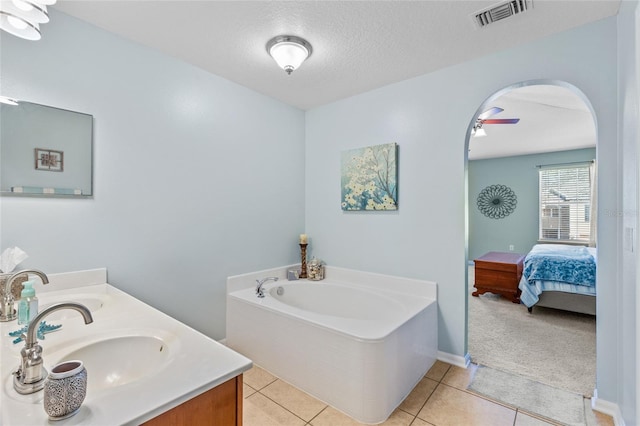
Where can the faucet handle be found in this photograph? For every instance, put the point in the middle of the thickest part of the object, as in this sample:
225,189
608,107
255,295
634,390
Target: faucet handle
7,312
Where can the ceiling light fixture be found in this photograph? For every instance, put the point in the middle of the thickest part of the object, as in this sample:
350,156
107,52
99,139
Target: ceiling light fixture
478,131
289,52
30,10
22,18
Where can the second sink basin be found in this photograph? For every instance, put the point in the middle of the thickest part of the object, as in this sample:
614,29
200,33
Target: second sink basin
93,302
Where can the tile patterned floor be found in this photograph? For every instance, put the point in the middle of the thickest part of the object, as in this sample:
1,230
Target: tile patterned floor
439,399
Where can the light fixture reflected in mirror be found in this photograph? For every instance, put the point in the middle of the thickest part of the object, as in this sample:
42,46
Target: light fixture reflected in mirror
8,101
289,52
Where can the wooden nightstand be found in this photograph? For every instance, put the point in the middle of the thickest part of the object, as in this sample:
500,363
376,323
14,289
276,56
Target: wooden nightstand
499,273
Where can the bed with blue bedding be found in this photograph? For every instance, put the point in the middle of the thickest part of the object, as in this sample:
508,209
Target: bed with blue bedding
560,276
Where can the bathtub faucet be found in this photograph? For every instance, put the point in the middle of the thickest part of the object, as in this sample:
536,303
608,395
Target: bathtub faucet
259,291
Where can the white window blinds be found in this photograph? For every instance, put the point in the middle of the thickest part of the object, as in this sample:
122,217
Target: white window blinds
565,198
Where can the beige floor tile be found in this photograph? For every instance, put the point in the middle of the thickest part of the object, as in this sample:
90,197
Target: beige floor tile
258,378
438,370
450,406
420,422
603,419
459,377
332,417
418,396
247,390
596,418
293,399
523,419
258,410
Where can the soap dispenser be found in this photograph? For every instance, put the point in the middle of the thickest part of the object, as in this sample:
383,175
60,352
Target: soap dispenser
28,304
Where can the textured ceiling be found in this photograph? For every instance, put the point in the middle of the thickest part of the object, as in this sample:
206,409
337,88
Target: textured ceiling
357,45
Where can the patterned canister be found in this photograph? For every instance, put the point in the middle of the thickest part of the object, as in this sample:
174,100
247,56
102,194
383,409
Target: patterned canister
65,389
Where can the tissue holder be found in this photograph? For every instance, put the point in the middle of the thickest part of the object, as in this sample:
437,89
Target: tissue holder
16,287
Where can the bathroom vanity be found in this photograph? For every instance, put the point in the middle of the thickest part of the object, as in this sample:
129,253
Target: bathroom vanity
143,366
221,405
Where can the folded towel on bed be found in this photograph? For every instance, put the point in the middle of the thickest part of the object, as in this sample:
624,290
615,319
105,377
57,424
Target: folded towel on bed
562,263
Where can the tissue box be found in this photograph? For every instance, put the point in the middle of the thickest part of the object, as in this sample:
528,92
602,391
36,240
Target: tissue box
16,287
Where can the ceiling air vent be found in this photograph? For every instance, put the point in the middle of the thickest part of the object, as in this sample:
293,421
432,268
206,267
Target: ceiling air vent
501,11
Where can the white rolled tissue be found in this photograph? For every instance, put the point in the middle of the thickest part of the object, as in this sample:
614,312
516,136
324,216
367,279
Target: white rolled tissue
10,258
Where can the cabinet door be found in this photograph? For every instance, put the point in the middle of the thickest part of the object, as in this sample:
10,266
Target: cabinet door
220,406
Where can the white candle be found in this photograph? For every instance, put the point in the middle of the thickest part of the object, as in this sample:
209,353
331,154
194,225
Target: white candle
303,238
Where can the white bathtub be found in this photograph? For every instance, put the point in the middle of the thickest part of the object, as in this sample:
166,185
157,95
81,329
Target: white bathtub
358,341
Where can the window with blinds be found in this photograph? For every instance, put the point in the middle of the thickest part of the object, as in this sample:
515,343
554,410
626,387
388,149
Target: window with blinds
565,200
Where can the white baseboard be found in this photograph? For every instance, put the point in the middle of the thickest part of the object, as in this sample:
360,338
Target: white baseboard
609,408
457,360
223,341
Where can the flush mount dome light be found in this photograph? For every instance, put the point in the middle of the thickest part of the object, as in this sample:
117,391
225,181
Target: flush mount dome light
289,52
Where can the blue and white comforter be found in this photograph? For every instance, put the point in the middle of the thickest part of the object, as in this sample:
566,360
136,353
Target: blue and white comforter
557,267
562,263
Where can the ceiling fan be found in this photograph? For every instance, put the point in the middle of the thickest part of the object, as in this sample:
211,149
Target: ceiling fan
483,119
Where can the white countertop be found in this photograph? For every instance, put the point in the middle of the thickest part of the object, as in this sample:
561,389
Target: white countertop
194,363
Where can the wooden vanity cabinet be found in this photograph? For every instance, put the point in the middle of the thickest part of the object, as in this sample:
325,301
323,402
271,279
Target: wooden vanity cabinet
220,406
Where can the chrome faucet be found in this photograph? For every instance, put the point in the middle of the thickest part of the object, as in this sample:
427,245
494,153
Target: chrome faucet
30,376
259,291
7,313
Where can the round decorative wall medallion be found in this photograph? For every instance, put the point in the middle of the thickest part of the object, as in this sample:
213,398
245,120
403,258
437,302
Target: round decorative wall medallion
497,201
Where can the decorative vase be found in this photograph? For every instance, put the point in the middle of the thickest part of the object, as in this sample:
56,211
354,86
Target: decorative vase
315,270
65,389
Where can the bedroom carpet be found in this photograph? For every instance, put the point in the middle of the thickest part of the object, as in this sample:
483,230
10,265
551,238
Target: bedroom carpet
550,346
534,397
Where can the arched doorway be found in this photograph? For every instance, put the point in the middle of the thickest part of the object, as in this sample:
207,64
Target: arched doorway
557,127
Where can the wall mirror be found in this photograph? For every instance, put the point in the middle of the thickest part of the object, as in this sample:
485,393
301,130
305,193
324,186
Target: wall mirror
45,151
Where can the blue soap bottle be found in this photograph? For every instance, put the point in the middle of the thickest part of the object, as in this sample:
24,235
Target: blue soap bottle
28,304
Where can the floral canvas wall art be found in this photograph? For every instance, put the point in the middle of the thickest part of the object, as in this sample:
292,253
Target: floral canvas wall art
370,178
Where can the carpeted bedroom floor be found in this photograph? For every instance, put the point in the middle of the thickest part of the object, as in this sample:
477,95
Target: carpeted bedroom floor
554,347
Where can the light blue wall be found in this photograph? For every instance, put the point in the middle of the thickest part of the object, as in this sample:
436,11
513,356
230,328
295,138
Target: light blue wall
429,117
196,178
629,297
519,173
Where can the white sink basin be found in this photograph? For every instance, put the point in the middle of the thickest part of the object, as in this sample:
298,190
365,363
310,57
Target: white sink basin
93,302
117,361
